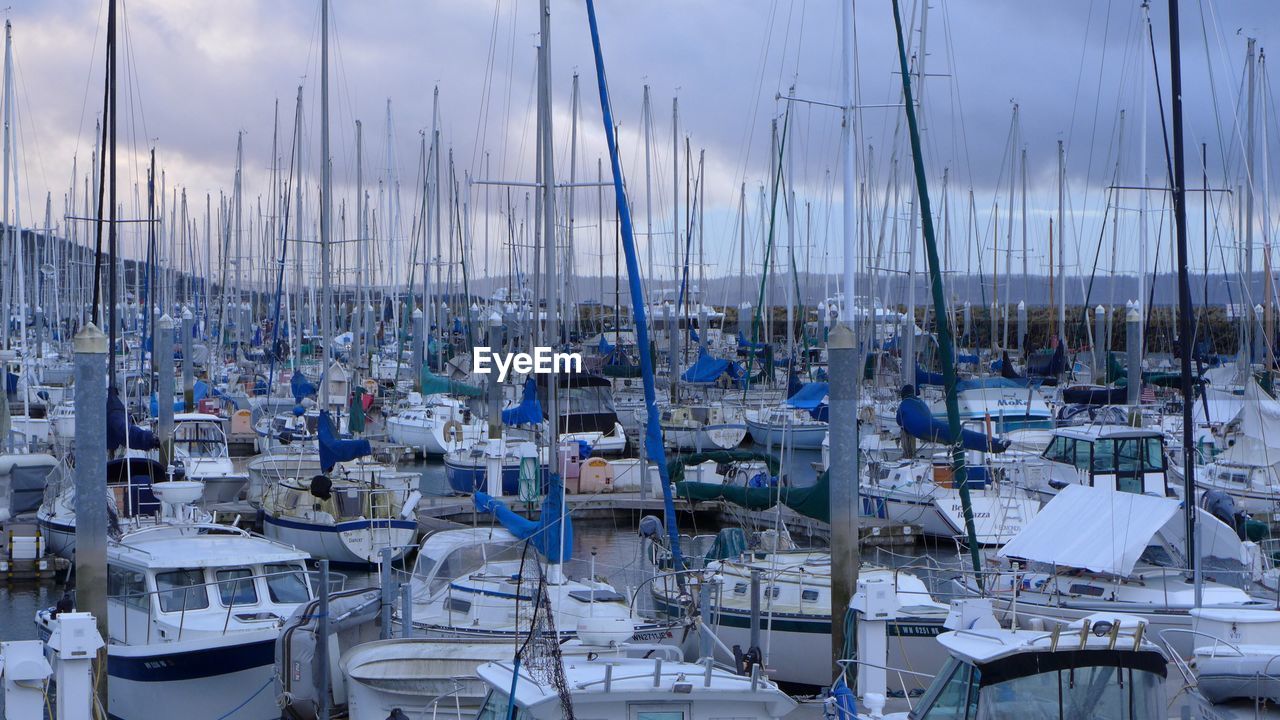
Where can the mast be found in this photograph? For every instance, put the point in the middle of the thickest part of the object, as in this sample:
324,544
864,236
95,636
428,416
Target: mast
647,119
1142,194
843,475
1062,245
1184,295
675,197
7,249
946,346
549,237
326,207
1246,329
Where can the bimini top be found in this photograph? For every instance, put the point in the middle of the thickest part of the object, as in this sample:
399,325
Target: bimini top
200,546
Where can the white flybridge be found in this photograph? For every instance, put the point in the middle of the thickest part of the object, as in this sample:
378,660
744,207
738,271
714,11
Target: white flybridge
1094,549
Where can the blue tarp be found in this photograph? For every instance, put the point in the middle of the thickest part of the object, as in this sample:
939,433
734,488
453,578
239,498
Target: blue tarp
966,358
529,411
915,418
810,396
709,368
199,392
605,348
301,386
333,450
120,430
545,533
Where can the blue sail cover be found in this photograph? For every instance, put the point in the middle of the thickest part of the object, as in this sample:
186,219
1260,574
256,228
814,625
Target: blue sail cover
544,533
914,417
605,348
529,411
810,396
924,377
301,386
709,368
333,450
199,392
745,344
120,430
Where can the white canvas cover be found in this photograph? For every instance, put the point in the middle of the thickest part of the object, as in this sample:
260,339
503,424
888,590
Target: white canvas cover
1223,406
1094,528
1106,531
1259,416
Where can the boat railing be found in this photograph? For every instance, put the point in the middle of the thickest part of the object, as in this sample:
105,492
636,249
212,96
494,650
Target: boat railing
1183,666
137,600
846,665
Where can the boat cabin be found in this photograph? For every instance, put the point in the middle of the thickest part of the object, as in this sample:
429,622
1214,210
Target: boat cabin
1117,457
1099,667
178,582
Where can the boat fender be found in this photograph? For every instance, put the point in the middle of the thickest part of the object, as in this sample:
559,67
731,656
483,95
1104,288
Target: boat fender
410,505
321,487
453,431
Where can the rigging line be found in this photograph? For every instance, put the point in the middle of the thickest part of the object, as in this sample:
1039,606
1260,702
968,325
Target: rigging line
93,52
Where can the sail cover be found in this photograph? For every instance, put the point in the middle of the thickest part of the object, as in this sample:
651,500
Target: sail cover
433,384
546,532
301,387
529,411
915,418
333,450
120,431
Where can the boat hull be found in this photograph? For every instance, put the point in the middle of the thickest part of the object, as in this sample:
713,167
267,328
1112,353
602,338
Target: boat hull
806,437
354,542
208,679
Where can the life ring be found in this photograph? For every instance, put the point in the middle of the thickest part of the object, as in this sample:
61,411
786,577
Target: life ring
371,386
453,431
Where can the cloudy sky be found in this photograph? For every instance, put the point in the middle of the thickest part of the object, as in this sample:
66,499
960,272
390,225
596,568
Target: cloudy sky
193,74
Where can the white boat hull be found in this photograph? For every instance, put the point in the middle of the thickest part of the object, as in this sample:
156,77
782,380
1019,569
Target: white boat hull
354,542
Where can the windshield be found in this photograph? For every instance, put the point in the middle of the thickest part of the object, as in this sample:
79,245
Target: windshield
1082,693
463,561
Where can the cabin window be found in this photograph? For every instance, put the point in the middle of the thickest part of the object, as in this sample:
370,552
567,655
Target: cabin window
740,589
286,584
809,595
128,586
957,697
349,503
1057,450
199,439
1082,453
1153,458
235,587
458,605
1087,690
181,590
496,706
1104,456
